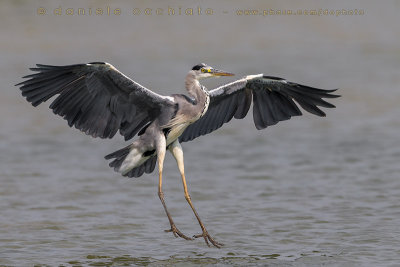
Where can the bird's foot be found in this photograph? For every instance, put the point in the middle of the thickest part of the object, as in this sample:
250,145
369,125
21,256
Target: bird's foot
177,233
209,239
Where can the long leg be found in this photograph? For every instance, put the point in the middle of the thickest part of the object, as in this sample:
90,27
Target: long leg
160,157
176,150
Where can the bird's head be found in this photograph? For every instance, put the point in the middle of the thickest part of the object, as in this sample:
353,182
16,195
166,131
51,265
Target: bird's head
202,71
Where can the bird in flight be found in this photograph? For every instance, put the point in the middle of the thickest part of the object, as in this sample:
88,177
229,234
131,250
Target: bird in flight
99,100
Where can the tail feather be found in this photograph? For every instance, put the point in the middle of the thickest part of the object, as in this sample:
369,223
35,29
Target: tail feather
147,167
146,164
120,152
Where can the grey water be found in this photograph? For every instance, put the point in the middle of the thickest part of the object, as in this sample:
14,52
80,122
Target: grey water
306,192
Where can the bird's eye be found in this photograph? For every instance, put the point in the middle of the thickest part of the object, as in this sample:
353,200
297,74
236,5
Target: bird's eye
203,70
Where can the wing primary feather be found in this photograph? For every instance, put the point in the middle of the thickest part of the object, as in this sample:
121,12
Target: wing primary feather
310,108
257,117
40,79
42,93
313,89
279,110
285,106
66,102
244,103
309,98
231,108
60,106
269,115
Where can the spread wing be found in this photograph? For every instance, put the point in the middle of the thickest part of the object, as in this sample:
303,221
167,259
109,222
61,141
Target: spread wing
95,98
274,99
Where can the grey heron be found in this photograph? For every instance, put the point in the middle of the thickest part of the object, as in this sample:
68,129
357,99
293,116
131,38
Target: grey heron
99,100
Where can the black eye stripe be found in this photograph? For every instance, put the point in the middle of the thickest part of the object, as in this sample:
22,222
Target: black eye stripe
199,66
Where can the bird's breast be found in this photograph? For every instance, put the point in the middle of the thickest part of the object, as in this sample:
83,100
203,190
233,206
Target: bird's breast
188,114
176,131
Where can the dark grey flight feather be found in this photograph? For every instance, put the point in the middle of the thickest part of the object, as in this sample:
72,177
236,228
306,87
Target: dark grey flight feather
95,98
273,101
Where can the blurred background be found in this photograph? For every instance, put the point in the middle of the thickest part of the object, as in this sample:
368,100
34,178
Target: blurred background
308,191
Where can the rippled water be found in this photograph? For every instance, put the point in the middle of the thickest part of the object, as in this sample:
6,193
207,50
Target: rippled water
309,191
